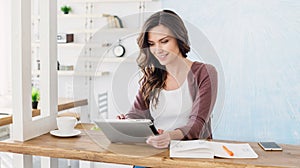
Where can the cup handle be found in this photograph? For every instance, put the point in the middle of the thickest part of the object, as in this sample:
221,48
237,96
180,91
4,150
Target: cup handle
76,122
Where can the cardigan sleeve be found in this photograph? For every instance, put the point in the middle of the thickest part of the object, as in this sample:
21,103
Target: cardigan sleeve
205,89
139,109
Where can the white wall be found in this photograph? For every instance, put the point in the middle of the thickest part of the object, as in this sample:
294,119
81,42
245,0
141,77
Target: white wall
257,43
5,43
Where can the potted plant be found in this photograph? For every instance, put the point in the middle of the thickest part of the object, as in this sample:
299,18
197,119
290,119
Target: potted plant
35,96
66,9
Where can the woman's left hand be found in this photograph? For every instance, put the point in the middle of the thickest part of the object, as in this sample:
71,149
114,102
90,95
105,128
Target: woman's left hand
159,141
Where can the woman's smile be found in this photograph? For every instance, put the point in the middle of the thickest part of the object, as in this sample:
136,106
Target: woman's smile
162,57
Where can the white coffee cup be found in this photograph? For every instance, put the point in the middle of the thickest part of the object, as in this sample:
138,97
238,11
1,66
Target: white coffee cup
66,124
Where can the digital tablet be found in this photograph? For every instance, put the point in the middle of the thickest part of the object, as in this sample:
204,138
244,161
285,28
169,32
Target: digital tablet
127,131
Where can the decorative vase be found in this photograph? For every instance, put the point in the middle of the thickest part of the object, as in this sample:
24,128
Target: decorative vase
35,104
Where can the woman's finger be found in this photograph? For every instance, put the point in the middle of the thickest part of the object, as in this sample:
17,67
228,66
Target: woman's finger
160,131
121,117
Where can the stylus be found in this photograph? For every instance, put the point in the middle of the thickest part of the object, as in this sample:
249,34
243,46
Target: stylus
154,130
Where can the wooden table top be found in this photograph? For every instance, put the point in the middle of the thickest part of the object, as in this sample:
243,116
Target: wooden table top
63,104
94,146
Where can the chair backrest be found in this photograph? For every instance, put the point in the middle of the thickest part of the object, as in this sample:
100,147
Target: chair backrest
103,105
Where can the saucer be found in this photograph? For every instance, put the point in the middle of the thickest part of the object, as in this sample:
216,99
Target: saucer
58,133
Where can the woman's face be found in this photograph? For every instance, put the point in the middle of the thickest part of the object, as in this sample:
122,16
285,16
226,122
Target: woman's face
163,45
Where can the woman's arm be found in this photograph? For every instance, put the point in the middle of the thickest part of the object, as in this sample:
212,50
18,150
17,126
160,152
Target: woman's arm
139,109
198,125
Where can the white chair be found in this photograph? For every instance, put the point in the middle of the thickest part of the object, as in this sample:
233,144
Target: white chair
102,105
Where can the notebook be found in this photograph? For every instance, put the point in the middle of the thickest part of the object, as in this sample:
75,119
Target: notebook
126,131
209,149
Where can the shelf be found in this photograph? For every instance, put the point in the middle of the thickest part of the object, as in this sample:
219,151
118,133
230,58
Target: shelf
80,45
76,45
129,31
107,1
107,30
73,16
111,30
104,30
109,59
79,31
122,59
76,73
78,16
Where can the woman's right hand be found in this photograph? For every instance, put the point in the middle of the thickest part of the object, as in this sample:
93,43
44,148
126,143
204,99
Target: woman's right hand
159,141
121,117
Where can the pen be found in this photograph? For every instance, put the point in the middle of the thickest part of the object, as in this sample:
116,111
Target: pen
154,130
228,151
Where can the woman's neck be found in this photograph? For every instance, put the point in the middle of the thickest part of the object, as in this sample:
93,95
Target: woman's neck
177,73
178,67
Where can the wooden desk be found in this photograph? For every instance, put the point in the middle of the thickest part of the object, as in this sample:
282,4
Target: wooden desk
63,104
84,147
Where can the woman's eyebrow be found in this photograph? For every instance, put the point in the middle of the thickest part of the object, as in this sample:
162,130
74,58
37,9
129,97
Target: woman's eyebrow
149,41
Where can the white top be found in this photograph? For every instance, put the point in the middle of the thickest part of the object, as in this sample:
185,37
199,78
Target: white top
173,108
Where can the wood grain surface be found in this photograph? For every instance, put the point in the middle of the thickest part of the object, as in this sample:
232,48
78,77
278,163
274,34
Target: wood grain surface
94,146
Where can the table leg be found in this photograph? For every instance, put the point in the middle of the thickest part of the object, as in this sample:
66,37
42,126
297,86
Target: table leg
47,162
22,161
86,164
84,114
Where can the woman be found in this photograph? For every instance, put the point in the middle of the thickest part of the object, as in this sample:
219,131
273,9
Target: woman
176,93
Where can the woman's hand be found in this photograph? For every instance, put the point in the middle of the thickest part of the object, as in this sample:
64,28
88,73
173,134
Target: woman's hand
163,140
160,131
159,141
121,117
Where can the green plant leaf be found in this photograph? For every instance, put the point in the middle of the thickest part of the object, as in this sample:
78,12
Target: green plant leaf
35,95
66,8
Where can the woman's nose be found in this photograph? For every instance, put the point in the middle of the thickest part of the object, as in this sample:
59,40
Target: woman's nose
158,48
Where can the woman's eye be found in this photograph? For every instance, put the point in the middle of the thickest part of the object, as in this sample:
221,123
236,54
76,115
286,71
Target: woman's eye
164,41
150,44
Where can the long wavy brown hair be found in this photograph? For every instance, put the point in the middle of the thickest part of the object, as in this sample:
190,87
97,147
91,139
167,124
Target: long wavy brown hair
155,74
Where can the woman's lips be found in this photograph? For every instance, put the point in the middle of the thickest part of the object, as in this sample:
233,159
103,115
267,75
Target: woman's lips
162,56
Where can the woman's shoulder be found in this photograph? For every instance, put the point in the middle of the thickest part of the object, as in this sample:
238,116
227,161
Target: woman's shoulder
198,68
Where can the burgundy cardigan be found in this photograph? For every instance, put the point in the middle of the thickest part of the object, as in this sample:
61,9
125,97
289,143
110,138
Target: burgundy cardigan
202,81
